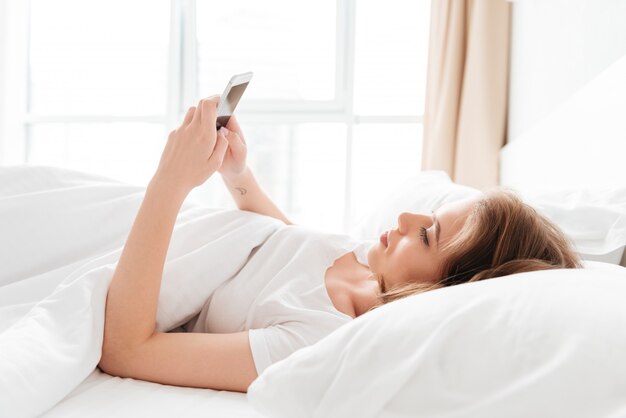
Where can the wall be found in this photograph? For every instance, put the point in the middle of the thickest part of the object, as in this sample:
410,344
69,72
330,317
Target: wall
567,98
558,46
566,95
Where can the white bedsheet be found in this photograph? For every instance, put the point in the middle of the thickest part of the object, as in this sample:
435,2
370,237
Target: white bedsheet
101,395
62,233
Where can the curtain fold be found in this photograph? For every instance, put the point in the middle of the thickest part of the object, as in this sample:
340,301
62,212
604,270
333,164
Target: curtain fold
466,91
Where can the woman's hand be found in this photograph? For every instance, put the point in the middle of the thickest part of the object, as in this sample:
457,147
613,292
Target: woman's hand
193,151
234,163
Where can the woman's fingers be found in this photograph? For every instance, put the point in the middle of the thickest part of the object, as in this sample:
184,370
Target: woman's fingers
234,140
209,112
204,104
194,153
217,157
223,132
197,114
189,115
233,125
205,117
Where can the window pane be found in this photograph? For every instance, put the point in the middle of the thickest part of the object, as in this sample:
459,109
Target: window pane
129,152
391,54
301,167
104,57
383,155
319,162
290,47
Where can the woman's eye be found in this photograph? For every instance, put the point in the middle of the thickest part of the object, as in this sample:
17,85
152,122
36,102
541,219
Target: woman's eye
424,235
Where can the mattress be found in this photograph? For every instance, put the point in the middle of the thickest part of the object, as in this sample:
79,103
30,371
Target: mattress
102,395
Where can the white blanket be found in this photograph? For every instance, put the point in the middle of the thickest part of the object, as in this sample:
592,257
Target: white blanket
61,235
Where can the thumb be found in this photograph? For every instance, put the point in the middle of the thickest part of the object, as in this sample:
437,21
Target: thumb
224,131
236,142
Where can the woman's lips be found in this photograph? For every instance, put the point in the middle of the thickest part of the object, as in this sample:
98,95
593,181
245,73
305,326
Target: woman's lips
383,238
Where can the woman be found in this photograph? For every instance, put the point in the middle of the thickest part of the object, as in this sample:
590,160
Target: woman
462,241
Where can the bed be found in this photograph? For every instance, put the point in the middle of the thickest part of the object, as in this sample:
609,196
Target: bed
534,339
101,395
538,344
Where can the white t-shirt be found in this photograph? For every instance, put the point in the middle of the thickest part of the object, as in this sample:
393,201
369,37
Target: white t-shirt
280,295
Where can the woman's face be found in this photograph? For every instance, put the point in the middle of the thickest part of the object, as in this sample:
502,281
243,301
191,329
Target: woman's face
411,253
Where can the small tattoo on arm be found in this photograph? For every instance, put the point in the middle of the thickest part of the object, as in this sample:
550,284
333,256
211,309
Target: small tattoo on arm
241,190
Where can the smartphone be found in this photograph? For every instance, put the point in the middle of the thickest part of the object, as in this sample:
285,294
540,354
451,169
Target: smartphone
229,99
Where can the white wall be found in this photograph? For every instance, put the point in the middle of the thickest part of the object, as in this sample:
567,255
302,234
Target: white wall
557,46
567,99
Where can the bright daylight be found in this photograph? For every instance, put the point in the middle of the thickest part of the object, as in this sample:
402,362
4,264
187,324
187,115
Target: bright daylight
330,208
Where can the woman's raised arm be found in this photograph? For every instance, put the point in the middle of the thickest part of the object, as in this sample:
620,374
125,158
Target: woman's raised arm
239,179
192,154
131,346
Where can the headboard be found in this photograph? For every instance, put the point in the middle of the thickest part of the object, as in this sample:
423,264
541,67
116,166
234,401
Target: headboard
580,143
567,96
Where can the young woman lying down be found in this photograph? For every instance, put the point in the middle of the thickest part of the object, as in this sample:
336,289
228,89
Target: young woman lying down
493,235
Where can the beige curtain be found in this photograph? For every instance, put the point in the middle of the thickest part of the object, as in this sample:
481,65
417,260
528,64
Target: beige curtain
466,92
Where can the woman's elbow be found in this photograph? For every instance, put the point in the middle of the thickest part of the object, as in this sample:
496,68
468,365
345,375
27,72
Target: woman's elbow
108,361
114,358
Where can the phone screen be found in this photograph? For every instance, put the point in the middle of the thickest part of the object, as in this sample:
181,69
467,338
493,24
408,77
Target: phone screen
229,103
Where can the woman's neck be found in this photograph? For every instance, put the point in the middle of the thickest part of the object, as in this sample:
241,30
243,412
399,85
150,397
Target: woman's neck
364,293
352,287
362,284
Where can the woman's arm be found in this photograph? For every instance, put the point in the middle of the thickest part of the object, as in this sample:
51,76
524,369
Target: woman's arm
249,196
239,179
131,345
193,152
130,316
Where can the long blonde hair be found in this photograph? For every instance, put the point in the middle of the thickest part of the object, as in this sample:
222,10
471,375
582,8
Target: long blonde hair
502,235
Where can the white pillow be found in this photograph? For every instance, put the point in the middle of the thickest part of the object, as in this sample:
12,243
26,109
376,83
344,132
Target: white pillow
421,193
537,344
595,220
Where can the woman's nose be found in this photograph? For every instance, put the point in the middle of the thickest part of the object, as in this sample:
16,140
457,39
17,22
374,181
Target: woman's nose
407,220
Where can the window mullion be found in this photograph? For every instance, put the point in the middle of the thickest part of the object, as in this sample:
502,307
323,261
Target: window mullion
189,92
183,72
174,65
174,76
342,78
31,119
350,34
189,81
14,33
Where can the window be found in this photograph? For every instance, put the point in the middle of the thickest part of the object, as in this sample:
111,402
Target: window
332,116
97,86
291,47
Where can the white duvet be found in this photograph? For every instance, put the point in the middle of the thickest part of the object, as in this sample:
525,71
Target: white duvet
61,234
